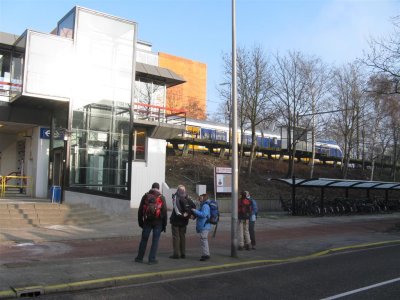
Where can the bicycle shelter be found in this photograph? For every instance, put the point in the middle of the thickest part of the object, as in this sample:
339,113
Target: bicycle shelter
324,183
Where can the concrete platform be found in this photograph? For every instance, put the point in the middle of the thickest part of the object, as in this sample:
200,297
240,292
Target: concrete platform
62,258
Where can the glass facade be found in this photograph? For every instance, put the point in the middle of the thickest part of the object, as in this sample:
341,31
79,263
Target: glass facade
17,65
100,129
99,148
65,27
5,74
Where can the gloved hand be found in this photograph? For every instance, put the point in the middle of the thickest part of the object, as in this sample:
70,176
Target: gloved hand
164,229
141,225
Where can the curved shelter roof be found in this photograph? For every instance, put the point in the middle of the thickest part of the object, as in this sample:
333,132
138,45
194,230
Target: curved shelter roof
342,183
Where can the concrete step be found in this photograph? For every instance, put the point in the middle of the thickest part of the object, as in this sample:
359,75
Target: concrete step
34,214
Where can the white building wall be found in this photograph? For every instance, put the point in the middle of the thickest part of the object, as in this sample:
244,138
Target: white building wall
40,150
144,174
28,166
9,159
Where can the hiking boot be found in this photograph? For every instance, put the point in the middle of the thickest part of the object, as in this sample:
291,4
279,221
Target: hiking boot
247,247
183,256
174,256
253,247
138,260
240,248
153,262
204,258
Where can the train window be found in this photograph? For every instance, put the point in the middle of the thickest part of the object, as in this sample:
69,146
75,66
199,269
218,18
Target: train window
193,131
220,136
207,134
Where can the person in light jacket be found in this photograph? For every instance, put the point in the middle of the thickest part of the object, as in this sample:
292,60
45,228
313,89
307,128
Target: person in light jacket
203,226
252,223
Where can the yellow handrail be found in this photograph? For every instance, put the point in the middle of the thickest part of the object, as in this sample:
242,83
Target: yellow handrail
25,182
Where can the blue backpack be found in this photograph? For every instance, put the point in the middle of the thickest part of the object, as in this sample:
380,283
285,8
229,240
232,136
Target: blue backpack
214,212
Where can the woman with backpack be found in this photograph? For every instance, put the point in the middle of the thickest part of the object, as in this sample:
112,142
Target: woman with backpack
244,214
203,226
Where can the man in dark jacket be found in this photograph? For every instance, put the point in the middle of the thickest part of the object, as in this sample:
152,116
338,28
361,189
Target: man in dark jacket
179,220
152,216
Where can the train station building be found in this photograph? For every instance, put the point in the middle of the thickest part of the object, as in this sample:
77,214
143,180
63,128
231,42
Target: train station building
86,110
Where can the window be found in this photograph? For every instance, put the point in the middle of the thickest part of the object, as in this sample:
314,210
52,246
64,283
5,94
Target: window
139,144
66,26
5,76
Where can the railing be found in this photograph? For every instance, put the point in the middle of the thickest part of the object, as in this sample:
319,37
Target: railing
23,183
160,114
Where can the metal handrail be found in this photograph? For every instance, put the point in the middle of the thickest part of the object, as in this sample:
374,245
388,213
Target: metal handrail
25,183
159,114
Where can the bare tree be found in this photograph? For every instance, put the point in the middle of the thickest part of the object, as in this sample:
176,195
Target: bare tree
347,92
258,103
318,85
242,85
384,55
290,90
392,106
376,116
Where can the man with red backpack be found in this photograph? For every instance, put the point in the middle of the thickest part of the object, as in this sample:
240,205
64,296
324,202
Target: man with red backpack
244,214
152,216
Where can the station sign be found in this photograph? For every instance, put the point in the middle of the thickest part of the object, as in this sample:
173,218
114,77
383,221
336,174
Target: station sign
223,179
46,132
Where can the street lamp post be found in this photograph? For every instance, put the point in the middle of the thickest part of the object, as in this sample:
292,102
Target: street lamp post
235,181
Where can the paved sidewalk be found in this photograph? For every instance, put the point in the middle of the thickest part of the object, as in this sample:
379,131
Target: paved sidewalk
65,258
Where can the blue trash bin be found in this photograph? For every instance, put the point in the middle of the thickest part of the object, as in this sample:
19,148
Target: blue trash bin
55,194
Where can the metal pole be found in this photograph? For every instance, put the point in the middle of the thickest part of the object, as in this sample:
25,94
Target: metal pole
313,138
234,229
293,195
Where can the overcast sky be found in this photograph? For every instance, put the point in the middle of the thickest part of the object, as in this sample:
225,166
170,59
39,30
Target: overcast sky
334,30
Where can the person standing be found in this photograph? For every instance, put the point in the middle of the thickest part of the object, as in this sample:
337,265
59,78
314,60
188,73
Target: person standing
244,213
152,217
203,226
252,223
182,205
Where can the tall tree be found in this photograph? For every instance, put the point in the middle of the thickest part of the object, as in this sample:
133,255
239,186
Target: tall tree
392,106
347,92
318,85
290,90
384,55
258,103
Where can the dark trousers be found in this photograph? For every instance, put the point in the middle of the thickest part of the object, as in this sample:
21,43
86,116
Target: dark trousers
252,232
147,229
179,240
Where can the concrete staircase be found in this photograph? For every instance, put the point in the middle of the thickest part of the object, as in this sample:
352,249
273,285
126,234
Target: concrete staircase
15,215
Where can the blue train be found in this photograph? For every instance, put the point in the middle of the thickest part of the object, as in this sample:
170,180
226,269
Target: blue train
219,132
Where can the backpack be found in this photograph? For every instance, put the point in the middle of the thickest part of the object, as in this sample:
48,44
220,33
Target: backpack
245,208
152,207
214,212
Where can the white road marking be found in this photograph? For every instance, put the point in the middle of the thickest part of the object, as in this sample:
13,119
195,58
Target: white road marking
362,289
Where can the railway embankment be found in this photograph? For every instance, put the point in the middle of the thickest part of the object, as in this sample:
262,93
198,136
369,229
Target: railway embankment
198,168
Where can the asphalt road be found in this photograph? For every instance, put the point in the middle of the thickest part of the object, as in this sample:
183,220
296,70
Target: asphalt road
354,273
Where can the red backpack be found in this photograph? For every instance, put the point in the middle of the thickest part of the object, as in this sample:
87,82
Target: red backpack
152,207
245,208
